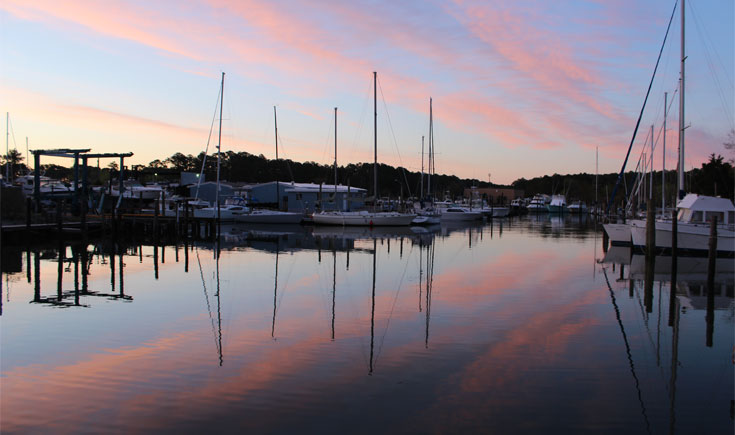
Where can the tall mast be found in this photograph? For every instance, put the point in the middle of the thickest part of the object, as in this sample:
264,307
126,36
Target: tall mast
681,107
375,135
597,172
650,169
278,186
7,141
431,145
663,158
422,169
219,140
335,159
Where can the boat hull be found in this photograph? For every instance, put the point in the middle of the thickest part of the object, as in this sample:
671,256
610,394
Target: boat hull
363,219
536,208
619,234
692,239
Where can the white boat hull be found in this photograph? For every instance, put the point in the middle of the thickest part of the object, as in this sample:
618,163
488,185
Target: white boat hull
692,239
363,218
426,220
619,234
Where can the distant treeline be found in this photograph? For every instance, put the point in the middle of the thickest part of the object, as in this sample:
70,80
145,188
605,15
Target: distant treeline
715,177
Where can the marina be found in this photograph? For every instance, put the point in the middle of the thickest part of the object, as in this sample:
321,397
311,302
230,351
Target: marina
284,217
278,328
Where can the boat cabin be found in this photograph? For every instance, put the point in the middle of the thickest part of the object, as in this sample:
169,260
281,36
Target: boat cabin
699,209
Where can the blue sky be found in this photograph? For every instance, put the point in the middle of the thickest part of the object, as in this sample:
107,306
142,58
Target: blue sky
520,89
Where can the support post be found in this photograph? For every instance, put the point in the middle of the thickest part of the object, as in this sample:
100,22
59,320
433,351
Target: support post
650,230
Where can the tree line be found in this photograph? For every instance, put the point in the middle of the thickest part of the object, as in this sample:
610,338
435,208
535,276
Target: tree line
715,177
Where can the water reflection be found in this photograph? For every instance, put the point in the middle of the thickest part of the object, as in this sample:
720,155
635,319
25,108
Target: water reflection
451,328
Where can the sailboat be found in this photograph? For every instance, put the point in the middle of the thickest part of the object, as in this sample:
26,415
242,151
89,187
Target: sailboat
215,211
694,211
428,215
364,217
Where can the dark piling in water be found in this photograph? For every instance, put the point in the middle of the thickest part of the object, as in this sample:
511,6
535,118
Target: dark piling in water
711,265
674,265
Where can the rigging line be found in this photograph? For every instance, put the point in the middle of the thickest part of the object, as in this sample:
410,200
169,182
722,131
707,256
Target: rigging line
209,138
206,297
12,133
285,285
707,41
361,122
390,316
329,142
661,128
711,66
638,123
627,350
395,142
288,164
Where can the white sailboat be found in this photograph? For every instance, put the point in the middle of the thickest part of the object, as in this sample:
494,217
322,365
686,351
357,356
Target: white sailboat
694,211
693,227
427,215
364,218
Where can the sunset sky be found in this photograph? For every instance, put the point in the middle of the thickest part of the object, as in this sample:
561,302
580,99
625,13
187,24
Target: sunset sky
520,89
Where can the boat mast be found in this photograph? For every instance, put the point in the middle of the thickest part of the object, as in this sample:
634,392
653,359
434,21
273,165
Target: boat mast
597,172
7,141
431,145
650,170
422,168
335,159
278,184
681,107
663,158
375,136
219,140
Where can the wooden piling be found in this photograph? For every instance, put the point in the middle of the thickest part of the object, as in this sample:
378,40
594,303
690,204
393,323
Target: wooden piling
83,217
28,213
712,257
650,230
59,218
155,220
674,265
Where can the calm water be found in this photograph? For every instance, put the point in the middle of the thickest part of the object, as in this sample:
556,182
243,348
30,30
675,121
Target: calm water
520,327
